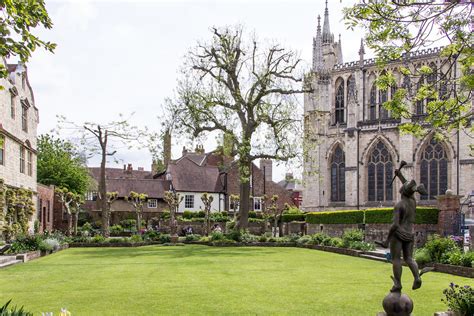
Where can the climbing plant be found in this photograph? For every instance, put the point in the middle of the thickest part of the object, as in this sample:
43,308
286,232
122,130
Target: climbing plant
2,206
19,210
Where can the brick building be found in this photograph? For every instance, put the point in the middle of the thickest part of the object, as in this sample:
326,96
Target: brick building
45,207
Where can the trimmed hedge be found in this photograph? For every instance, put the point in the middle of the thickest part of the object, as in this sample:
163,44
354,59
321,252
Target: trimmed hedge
286,218
336,217
424,215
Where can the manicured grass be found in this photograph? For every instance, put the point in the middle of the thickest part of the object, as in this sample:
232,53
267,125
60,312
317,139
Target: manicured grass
203,280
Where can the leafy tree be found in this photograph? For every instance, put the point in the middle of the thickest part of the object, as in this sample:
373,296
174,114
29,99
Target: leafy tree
246,91
207,201
103,140
110,198
137,200
173,199
396,29
19,18
72,204
60,164
272,212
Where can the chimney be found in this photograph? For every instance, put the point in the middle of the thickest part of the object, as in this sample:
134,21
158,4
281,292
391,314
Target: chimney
124,167
141,169
185,151
129,168
166,147
199,149
266,168
289,176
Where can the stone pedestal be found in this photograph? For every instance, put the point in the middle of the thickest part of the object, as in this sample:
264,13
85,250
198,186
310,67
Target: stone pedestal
449,217
396,304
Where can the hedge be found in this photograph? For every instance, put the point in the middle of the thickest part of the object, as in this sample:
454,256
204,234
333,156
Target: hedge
286,218
424,215
336,217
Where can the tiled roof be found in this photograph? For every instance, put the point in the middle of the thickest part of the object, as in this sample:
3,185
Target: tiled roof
118,173
190,173
152,188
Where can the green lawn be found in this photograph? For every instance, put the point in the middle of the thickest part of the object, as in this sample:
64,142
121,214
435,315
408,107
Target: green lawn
157,280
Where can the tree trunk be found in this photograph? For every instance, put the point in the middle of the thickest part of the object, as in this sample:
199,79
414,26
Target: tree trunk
139,222
76,219
244,205
275,226
103,193
69,224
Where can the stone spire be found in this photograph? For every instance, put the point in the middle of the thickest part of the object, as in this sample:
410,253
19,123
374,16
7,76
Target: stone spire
361,53
317,49
327,36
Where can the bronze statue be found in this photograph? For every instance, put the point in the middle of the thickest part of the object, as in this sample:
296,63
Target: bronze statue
401,237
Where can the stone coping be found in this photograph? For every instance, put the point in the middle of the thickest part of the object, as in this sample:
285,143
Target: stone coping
30,255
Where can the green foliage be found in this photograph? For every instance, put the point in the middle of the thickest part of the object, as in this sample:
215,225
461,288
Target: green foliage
286,218
25,243
98,239
219,217
248,238
49,244
192,237
439,247
217,236
20,209
165,238
61,165
336,217
116,230
5,310
19,18
458,258
293,210
256,220
422,256
459,299
426,215
135,238
352,238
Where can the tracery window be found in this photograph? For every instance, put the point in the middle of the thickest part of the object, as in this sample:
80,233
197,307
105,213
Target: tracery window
431,80
383,97
380,173
434,170
373,103
351,88
338,181
339,109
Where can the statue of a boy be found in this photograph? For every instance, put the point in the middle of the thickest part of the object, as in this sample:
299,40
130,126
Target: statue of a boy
401,235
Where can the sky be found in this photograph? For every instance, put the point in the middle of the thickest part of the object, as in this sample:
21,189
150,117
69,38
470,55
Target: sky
124,56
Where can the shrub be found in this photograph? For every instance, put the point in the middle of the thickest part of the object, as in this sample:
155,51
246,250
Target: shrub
439,247
97,224
286,218
247,237
216,236
187,214
468,259
293,237
116,229
49,244
337,242
459,299
304,240
318,238
117,240
256,220
233,234
98,239
200,214
25,243
335,217
252,214
192,237
219,217
326,241
128,224
165,238
422,256
262,238
293,210
151,235
424,215
136,238
351,236
87,227
361,245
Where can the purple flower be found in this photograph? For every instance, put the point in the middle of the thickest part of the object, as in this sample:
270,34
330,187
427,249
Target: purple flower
467,287
451,285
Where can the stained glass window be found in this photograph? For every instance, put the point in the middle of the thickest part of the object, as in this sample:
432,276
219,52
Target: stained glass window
339,111
383,97
380,173
434,170
338,183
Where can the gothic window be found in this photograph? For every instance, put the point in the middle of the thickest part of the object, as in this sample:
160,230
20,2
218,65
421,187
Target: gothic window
443,90
434,170
407,84
380,173
383,97
351,88
338,183
339,110
373,102
420,108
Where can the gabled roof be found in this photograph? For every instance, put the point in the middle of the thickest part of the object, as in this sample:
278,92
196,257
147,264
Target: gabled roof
152,188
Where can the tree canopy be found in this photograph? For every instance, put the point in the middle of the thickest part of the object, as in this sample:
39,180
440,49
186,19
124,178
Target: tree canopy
246,91
397,29
60,164
19,18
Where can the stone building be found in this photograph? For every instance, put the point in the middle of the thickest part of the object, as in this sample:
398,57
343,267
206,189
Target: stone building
18,123
354,144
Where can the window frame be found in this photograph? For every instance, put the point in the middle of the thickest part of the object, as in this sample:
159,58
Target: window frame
2,150
255,200
339,105
189,201
29,162
22,159
24,118
152,203
338,180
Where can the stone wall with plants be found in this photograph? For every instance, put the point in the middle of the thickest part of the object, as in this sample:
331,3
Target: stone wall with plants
16,208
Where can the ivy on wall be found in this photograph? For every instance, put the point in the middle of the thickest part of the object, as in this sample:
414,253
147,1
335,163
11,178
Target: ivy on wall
17,208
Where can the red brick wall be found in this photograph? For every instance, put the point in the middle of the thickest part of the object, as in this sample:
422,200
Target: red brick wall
45,207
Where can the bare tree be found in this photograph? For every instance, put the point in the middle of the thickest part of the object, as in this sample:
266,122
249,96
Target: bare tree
173,199
105,140
137,200
247,91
